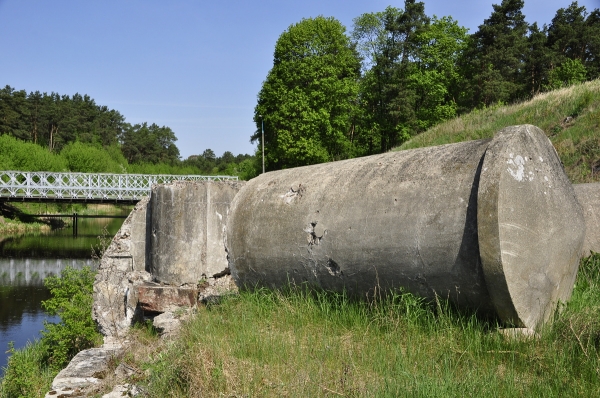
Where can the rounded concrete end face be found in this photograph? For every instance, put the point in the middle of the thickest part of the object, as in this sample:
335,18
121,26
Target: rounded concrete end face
530,226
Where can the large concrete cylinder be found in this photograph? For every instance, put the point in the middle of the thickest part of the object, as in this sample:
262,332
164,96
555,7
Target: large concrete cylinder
589,198
410,219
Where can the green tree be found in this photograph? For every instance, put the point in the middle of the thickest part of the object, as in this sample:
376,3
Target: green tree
570,72
574,35
495,57
89,158
149,144
537,61
309,98
411,77
436,81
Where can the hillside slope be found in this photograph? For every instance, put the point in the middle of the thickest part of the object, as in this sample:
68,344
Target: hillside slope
570,117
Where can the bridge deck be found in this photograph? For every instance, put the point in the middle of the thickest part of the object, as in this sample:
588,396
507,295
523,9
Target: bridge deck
85,187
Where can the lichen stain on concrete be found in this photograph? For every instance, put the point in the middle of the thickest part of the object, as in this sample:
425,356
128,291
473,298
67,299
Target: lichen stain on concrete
518,173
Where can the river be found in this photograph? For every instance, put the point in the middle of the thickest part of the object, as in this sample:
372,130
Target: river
26,260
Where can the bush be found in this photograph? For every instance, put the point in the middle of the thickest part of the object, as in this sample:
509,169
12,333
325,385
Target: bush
30,370
25,374
26,156
72,301
87,158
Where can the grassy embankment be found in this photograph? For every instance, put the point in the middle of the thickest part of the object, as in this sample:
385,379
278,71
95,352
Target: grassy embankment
297,344
570,117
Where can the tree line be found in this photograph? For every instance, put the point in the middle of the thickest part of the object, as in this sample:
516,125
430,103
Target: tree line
56,132
332,95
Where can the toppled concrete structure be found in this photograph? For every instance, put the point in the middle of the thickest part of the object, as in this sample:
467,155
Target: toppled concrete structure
589,198
491,225
168,253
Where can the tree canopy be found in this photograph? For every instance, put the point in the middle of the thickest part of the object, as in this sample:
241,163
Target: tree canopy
399,72
308,101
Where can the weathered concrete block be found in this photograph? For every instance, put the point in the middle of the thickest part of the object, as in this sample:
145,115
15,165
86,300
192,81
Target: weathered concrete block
159,298
187,236
411,219
589,198
531,226
121,268
88,367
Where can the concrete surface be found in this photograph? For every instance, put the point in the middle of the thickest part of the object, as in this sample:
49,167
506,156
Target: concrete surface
400,219
588,196
411,219
531,226
122,267
187,230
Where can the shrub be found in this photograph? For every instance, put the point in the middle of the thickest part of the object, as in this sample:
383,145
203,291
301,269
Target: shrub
30,370
87,158
72,301
26,156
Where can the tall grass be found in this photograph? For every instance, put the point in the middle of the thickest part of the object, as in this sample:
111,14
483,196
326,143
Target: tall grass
297,343
569,116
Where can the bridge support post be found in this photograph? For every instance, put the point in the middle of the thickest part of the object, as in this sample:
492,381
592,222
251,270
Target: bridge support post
75,225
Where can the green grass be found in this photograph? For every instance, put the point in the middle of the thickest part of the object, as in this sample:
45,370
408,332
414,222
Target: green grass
295,343
570,117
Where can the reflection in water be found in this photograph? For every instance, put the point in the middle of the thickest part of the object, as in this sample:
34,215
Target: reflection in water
33,271
26,260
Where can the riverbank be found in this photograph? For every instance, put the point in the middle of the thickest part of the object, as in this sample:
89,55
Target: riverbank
22,217
294,343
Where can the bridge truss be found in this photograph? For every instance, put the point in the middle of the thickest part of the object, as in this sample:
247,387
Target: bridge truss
44,185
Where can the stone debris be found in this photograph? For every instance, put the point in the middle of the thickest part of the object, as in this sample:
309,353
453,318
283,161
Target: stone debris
153,297
87,369
123,390
519,333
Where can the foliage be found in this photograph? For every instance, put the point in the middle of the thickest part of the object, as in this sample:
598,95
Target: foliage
494,57
53,120
570,72
72,301
416,72
30,370
88,158
25,376
19,155
308,99
150,144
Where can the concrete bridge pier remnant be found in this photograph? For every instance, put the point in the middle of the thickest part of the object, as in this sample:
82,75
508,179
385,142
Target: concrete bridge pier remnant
491,225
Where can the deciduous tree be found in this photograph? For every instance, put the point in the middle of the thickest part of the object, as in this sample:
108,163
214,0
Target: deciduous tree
309,97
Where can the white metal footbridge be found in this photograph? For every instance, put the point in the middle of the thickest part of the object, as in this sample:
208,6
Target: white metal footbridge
85,187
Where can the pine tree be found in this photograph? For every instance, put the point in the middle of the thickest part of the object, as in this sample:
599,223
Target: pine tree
496,56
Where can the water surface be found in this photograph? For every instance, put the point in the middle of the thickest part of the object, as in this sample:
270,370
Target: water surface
26,260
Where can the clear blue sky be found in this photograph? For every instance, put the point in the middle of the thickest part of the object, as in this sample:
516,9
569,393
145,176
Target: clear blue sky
195,66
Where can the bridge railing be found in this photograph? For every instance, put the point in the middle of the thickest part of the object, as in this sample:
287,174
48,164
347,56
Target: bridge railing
87,186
